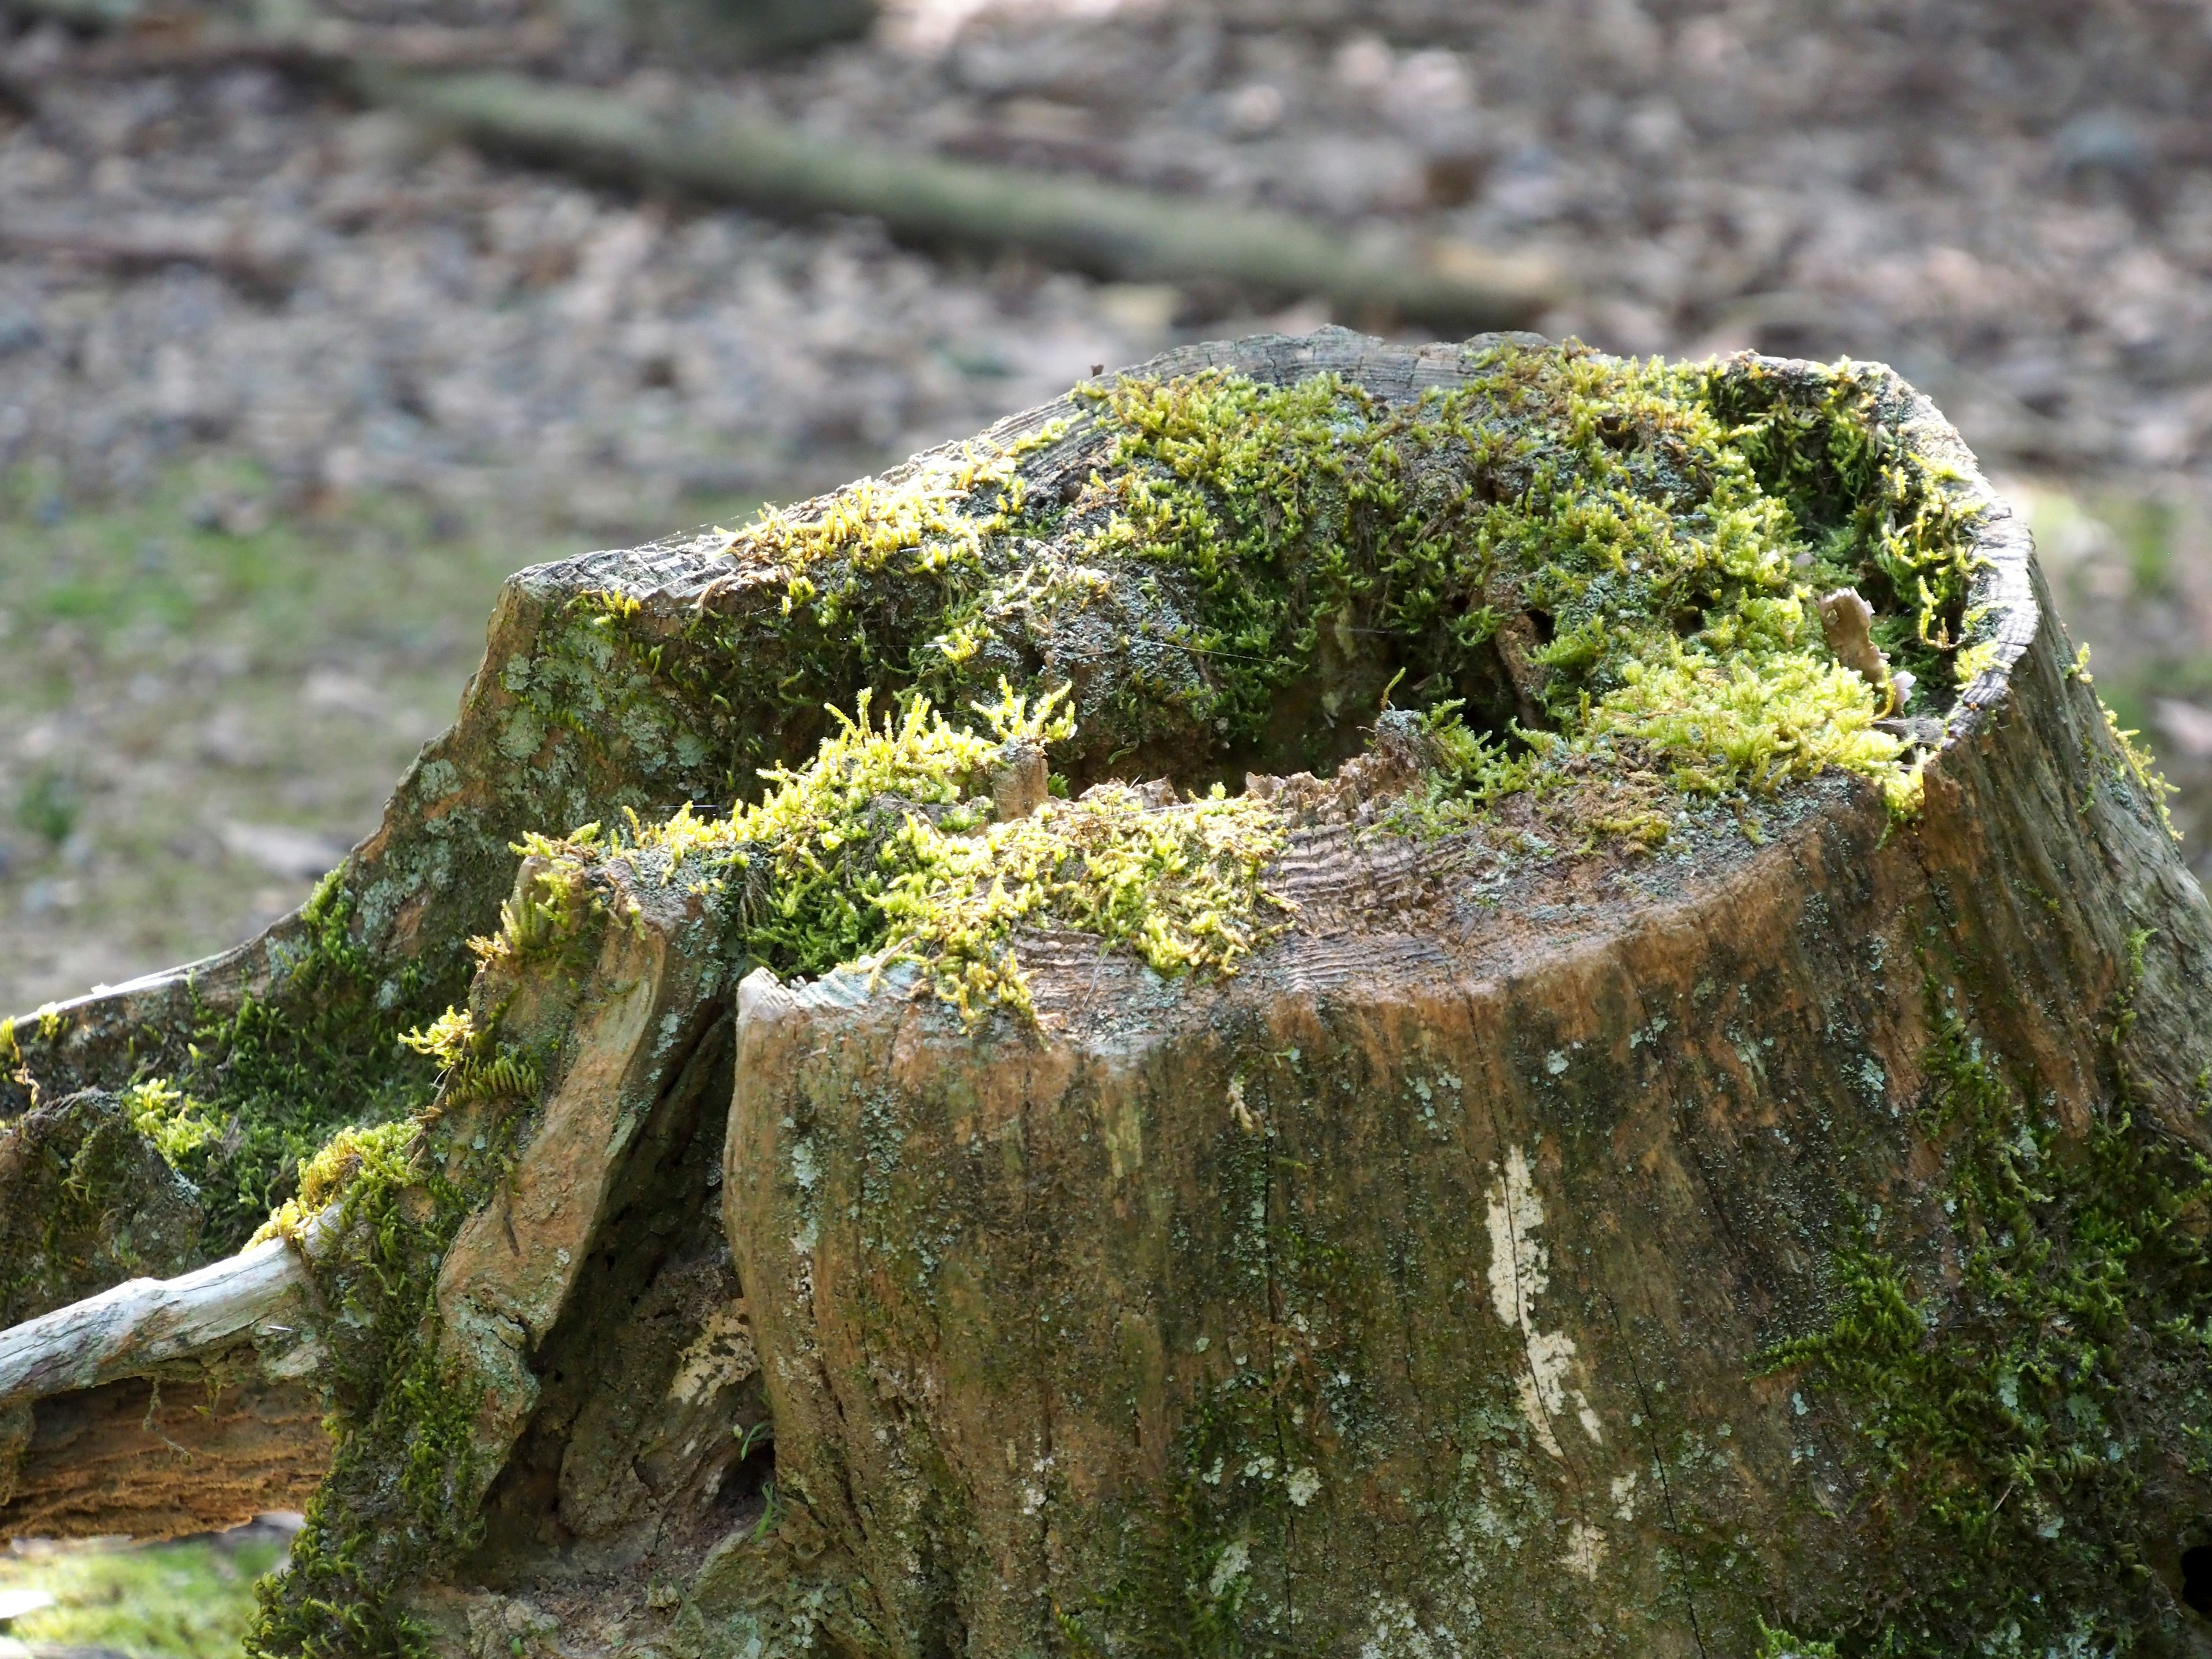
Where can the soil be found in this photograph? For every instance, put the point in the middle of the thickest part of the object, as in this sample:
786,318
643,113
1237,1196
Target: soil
286,385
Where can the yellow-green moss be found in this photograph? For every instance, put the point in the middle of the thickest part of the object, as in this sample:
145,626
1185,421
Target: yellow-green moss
1623,555
1603,512
1581,573
882,848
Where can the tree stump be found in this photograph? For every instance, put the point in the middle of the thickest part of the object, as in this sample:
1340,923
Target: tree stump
1502,1002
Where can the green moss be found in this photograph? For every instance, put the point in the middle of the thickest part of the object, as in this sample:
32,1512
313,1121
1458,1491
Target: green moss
1592,537
177,1125
400,1498
88,1202
882,849
1591,578
273,1079
1621,557
2013,1423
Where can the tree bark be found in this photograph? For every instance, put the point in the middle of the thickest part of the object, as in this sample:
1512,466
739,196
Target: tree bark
1526,1252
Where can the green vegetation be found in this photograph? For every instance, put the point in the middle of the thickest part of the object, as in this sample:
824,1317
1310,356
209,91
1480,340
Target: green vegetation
2014,1421
1589,557
400,1492
1604,507
265,1086
882,848
188,1600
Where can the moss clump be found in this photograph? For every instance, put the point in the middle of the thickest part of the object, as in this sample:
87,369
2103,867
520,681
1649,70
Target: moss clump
265,1085
2013,1423
1872,511
1591,534
1590,557
882,847
399,1497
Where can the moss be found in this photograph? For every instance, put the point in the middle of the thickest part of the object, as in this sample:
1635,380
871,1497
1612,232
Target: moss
1591,532
177,1125
2128,762
2013,1423
882,848
88,1201
274,1078
1595,580
399,1496
1619,555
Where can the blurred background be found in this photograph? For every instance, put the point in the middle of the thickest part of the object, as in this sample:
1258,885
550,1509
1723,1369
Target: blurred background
290,377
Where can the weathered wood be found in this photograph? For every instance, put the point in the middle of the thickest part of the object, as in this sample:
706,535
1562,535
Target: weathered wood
263,1295
1454,1277
146,1459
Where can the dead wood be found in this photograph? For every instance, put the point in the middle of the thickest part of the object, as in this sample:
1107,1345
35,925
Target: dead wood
718,152
143,1325
1489,1257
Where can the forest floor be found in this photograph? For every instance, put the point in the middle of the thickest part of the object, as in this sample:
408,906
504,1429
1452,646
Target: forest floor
286,386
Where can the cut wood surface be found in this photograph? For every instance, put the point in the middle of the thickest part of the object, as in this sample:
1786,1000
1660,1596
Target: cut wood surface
1619,1217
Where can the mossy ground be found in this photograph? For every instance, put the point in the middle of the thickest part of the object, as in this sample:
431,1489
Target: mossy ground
209,653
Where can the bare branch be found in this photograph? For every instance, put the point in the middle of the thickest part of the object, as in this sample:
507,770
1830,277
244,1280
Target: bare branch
143,1323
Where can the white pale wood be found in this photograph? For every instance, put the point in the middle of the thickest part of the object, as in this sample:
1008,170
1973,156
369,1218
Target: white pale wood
145,1322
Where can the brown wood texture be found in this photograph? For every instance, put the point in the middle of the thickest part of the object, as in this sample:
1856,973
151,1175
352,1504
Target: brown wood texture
1408,1293
188,1457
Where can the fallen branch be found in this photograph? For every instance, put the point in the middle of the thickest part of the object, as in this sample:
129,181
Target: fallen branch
146,1323
716,152
1107,230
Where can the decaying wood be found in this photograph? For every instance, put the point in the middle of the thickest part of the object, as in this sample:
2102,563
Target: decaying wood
718,152
163,1407
151,1459
1426,1269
